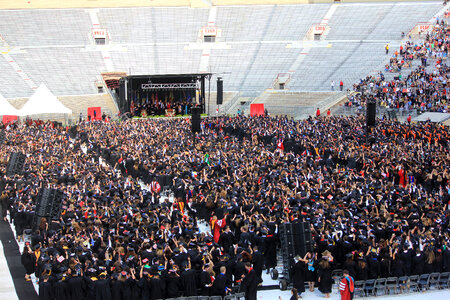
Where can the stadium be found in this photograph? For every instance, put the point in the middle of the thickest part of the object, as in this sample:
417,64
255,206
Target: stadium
224,149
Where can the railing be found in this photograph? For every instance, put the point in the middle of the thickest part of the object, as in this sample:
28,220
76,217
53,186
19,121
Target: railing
229,104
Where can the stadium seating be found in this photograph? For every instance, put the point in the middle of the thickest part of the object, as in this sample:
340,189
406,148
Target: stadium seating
55,46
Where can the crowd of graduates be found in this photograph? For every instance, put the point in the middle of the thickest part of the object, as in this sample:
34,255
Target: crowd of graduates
377,206
138,195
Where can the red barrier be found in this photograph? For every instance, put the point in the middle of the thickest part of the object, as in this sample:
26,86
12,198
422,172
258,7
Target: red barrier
95,113
257,109
9,119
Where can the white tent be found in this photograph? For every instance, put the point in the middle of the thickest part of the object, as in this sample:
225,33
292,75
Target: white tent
44,102
6,109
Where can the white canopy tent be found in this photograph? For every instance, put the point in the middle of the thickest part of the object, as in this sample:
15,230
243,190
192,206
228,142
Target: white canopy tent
44,102
6,109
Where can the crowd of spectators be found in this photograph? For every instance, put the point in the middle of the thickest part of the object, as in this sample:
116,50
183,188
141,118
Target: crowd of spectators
425,87
377,209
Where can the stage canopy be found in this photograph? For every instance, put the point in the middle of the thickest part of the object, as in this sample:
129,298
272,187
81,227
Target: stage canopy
6,109
44,102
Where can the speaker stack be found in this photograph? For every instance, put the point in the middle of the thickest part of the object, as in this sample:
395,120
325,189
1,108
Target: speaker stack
15,164
219,91
49,204
371,111
2,136
195,121
296,240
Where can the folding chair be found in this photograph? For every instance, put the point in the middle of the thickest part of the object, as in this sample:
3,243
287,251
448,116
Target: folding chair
424,282
215,298
369,287
433,281
391,284
380,285
229,297
403,284
414,283
359,288
444,280
202,298
240,296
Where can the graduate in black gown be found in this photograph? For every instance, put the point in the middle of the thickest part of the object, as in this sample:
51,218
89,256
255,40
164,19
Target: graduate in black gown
324,274
298,271
28,261
250,283
45,289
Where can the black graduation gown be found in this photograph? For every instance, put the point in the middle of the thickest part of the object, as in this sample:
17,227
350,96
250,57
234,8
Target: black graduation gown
325,279
406,258
61,290
77,288
239,270
90,294
157,288
102,289
116,287
28,262
126,289
270,252
188,281
172,286
45,291
298,276
418,264
219,285
144,287
250,285
258,263
205,279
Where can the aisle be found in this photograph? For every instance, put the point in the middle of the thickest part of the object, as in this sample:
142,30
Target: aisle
12,283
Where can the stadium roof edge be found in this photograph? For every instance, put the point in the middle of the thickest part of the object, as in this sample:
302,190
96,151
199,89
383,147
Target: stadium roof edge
72,4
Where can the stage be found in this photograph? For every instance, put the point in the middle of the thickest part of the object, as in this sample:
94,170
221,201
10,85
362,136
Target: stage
162,95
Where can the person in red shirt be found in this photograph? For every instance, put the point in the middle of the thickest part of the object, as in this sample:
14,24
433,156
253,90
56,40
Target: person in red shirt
328,112
318,112
346,286
341,85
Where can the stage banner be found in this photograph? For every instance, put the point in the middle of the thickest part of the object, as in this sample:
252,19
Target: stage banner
95,113
257,109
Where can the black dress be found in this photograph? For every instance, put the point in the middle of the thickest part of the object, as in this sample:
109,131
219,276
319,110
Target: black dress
326,281
298,276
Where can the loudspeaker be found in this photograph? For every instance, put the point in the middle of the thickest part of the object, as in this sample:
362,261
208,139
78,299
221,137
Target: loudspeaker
299,237
15,164
195,121
49,202
371,111
219,91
